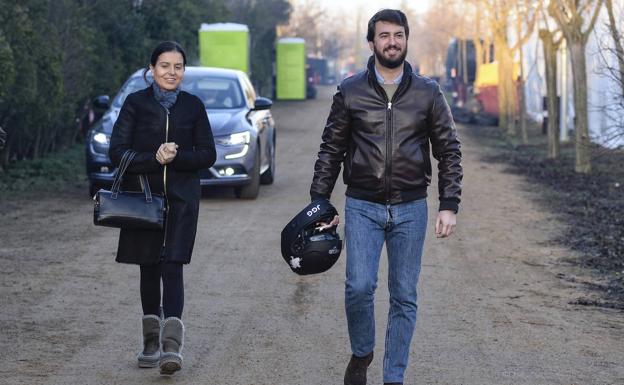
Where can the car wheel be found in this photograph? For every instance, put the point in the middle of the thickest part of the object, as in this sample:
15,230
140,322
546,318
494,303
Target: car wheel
269,175
250,190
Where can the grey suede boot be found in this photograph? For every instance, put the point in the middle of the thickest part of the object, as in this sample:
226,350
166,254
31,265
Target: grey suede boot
171,343
150,356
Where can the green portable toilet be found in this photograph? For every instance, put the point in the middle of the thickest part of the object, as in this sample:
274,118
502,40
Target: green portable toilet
290,68
224,45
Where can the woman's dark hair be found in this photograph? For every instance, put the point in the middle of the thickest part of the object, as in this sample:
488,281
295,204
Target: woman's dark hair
162,47
393,16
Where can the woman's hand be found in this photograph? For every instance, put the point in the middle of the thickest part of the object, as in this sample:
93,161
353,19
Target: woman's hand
166,153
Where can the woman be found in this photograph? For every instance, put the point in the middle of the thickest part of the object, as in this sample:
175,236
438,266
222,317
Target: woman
170,133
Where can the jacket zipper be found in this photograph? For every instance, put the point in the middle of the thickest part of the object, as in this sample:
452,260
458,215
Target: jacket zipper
388,160
388,149
389,132
165,189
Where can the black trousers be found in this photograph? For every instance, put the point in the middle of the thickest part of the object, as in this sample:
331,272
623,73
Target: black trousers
172,289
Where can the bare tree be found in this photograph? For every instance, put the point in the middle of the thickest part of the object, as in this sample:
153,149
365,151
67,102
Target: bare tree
551,40
526,16
481,44
499,15
569,16
304,23
482,38
430,33
617,41
612,106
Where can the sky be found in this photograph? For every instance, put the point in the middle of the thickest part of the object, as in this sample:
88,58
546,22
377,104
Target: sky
368,7
372,6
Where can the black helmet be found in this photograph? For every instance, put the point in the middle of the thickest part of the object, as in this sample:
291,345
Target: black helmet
306,249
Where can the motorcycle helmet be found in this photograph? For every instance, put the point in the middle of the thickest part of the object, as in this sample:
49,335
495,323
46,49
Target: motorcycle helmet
306,248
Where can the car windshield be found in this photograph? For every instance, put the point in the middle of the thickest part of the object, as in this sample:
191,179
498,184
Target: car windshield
215,92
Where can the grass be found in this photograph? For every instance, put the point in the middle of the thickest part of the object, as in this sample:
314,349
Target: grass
50,173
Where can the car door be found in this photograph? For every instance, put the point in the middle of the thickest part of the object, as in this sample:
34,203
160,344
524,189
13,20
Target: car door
261,120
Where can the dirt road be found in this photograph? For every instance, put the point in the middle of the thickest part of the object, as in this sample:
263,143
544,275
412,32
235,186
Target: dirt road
493,307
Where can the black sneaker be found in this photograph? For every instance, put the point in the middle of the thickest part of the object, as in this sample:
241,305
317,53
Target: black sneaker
356,370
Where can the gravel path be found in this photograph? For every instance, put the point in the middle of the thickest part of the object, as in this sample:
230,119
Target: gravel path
493,302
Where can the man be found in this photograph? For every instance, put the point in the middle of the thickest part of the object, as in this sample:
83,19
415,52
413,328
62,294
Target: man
381,124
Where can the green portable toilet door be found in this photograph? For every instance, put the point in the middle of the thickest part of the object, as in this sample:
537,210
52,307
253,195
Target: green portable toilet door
291,81
224,45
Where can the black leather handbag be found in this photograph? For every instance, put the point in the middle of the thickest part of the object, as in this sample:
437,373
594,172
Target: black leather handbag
129,209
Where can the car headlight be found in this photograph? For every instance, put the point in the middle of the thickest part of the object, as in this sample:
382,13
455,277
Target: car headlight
100,141
101,138
236,139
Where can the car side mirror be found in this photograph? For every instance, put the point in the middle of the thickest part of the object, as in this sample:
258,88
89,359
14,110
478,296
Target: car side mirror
101,102
262,104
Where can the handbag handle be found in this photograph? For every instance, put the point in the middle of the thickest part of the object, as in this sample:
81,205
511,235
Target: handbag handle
123,166
126,159
119,174
146,188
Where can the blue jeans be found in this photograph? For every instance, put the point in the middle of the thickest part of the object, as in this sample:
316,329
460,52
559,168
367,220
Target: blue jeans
402,227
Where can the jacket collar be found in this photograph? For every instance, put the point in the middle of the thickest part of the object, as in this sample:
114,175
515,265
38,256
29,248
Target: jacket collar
149,91
372,77
381,80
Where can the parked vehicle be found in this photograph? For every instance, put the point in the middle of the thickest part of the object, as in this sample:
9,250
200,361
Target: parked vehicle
242,125
472,92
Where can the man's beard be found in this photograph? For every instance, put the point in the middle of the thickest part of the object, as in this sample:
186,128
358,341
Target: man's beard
389,63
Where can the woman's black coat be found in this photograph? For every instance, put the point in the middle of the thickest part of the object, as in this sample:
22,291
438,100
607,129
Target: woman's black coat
141,126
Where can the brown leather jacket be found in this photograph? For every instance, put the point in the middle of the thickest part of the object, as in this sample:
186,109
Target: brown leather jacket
385,144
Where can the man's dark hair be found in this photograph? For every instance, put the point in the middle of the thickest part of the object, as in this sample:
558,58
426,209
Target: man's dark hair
393,16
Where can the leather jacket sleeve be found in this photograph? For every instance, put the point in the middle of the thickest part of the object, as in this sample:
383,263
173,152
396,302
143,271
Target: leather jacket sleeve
334,144
121,141
203,155
446,150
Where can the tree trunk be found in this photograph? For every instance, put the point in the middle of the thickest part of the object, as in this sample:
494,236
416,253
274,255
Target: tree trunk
506,91
5,154
520,85
522,101
36,146
581,124
550,64
464,63
478,43
522,112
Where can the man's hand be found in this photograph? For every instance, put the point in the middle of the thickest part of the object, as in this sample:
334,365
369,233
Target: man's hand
166,153
322,226
445,224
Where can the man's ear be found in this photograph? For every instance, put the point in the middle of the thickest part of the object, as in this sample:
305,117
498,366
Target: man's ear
371,46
